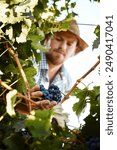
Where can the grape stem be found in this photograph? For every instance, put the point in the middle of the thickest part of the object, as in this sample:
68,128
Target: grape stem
79,80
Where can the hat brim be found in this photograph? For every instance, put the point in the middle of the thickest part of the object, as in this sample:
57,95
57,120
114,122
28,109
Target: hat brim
82,45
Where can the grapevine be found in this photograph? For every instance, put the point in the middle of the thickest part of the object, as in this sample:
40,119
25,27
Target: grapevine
23,26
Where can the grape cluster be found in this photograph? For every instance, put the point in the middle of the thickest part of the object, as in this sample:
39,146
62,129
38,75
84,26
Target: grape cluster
52,93
93,143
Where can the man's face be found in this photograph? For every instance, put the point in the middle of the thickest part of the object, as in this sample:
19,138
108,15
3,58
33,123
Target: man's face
62,46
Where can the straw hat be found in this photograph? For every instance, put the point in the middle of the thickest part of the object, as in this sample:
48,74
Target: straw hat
73,27
75,30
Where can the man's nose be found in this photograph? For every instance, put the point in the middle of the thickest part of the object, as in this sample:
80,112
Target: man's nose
63,46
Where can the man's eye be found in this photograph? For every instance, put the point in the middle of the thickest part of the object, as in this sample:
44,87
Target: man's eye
69,44
58,39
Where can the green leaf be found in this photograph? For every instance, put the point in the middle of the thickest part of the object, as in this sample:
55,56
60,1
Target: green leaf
11,68
10,102
30,73
73,4
35,42
79,107
15,1
97,90
39,123
97,31
15,142
80,93
24,50
91,127
96,43
50,144
63,8
87,96
94,99
37,56
21,86
42,48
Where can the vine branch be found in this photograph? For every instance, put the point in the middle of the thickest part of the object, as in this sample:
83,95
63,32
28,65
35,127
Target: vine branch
79,80
18,94
15,56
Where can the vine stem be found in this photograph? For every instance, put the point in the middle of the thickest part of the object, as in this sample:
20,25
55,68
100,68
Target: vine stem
79,80
18,94
15,56
33,104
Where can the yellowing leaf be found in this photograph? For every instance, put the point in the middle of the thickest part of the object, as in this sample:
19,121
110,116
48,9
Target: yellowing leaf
9,32
10,101
15,1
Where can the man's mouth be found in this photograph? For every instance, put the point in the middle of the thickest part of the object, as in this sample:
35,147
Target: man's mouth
60,52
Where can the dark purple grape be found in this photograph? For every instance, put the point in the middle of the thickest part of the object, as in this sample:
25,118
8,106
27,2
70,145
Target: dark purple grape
52,93
93,143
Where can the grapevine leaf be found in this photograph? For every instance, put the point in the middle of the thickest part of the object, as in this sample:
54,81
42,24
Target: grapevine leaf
73,4
37,56
97,31
35,42
80,93
91,127
74,14
30,73
15,141
96,43
97,90
53,144
11,99
15,1
94,100
97,40
63,8
24,50
11,68
39,123
79,107
21,86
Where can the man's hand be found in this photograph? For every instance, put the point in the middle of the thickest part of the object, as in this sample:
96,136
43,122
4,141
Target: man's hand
44,104
35,92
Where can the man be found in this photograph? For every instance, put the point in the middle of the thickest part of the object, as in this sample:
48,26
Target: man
62,45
